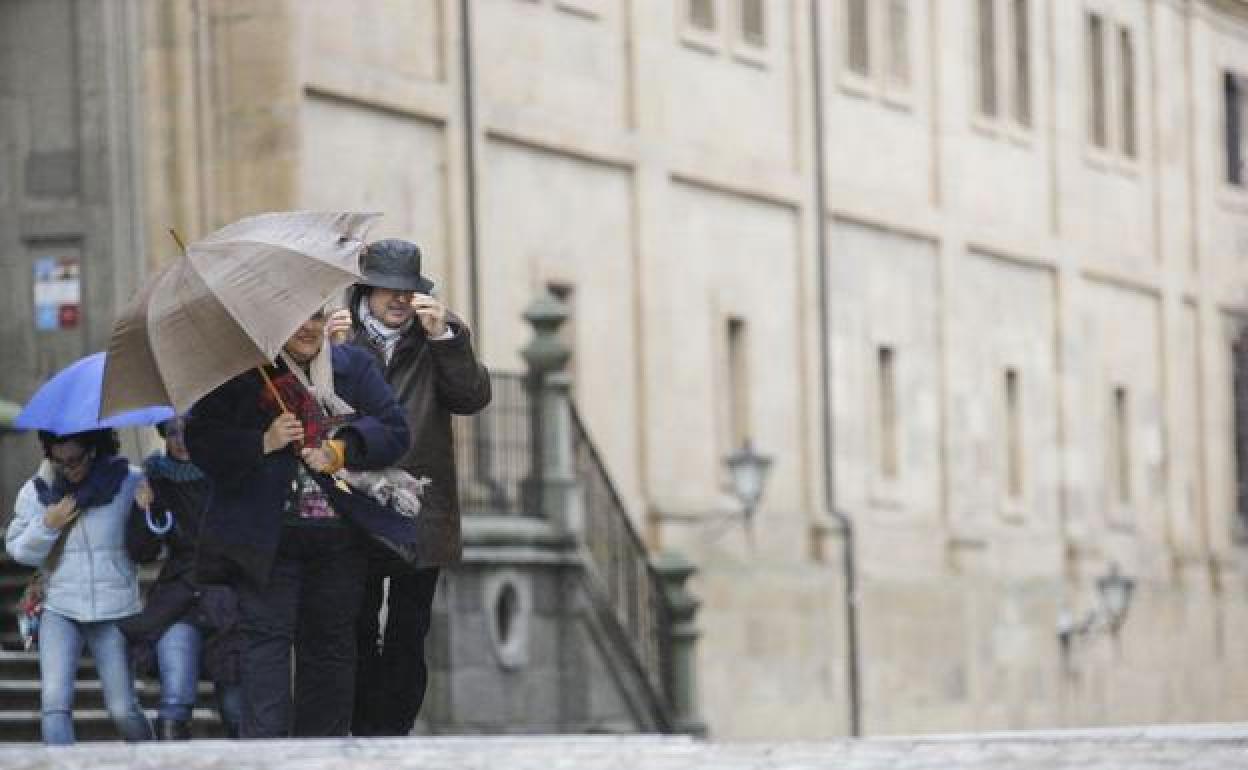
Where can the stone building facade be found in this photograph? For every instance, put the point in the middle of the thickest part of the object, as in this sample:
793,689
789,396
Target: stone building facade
971,271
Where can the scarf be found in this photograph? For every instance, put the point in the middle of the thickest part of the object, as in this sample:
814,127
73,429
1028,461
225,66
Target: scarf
101,485
391,487
161,466
383,337
318,380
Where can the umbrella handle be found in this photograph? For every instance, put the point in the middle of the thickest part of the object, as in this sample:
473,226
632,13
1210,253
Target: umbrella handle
154,527
268,383
178,240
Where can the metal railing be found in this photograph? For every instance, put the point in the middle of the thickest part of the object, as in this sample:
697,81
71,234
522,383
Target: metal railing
621,564
495,454
494,451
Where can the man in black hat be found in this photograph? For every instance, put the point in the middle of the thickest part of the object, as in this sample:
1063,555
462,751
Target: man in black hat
428,359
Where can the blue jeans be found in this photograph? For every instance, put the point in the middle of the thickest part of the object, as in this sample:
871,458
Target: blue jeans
230,707
60,645
177,657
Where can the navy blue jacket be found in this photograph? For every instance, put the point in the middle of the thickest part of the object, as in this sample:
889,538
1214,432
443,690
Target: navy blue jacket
225,436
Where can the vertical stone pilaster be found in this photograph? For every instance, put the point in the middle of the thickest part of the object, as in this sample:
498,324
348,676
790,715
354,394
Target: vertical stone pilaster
560,501
251,81
552,484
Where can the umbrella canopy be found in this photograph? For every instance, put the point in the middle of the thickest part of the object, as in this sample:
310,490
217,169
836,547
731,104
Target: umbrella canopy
70,402
229,305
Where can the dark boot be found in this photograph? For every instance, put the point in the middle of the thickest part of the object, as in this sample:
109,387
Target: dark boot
173,730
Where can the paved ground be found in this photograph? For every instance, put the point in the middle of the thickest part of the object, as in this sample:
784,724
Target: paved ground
1196,747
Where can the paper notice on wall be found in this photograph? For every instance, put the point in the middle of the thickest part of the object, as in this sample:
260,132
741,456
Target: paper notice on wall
58,293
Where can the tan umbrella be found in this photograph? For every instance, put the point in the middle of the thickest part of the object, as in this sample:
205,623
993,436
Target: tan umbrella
228,305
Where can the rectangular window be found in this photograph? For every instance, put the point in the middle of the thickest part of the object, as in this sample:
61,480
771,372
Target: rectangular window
899,41
1121,446
753,23
1021,28
1013,436
738,397
1095,51
701,14
857,37
887,405
987,48
1239,395
1126,60
1233,87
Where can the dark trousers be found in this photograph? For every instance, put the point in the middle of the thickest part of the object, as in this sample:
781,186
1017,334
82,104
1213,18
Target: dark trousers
392,675
310,601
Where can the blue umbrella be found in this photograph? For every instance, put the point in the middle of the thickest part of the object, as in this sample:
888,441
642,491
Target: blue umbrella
70,403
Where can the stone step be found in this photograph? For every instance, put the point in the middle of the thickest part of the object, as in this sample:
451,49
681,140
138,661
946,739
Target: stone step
24,726
1200,747
24,665
88,694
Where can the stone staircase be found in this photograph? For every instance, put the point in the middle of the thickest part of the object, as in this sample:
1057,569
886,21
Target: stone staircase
19,681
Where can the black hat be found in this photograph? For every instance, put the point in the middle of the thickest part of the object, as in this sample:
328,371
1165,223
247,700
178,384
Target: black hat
394,264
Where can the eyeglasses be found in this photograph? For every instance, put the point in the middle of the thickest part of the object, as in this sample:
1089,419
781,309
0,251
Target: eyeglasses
70,463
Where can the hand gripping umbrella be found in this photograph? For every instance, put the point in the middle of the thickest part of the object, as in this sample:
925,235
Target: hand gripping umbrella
228,305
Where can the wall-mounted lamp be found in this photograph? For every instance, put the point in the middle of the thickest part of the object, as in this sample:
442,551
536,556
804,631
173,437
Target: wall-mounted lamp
749,474
747,470
1114,592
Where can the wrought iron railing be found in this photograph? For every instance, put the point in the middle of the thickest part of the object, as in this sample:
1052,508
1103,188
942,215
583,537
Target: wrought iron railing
495,454
621,565
494,451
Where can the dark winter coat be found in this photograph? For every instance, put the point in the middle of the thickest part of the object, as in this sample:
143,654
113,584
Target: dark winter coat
184,502
433,379
175,595
252,490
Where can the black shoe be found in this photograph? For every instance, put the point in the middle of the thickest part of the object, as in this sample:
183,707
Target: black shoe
173,730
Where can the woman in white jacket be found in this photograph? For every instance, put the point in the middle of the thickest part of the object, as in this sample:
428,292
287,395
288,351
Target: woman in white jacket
86,486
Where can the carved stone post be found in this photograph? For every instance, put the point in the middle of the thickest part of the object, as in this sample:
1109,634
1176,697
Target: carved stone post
682,638
552,482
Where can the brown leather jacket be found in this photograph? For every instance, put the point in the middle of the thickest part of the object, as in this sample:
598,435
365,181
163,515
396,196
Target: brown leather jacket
434,380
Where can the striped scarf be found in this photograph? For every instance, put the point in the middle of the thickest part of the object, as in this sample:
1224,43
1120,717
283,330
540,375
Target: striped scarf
382,337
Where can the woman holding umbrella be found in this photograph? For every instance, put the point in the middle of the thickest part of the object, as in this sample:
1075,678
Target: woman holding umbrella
69,520
285,532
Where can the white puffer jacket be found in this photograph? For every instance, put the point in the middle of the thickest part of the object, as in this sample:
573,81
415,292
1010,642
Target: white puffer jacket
95,578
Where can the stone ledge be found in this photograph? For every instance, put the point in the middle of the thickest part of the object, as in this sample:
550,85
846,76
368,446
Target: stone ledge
1194,747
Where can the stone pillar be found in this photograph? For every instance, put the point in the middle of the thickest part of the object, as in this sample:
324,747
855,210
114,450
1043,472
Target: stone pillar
682,638
552,484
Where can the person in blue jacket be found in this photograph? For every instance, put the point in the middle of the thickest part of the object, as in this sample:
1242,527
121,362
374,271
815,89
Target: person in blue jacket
92,584
287,534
